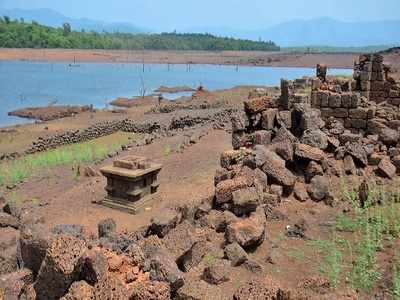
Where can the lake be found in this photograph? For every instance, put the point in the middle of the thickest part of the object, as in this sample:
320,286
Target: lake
24,83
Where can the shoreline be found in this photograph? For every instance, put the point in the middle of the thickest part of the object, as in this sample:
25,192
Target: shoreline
234,58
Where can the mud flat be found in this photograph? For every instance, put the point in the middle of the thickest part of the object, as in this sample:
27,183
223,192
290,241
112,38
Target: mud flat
48,113
174,89
247,58
132,102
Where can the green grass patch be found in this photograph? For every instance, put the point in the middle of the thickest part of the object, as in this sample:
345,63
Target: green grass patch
21,169
358,236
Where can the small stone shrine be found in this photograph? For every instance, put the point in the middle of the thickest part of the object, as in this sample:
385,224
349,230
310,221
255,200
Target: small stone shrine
130,182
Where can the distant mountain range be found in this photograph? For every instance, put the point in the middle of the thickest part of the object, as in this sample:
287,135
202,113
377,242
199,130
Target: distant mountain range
315,32
52,18
322,31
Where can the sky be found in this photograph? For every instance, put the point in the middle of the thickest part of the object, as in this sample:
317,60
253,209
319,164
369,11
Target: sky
169,15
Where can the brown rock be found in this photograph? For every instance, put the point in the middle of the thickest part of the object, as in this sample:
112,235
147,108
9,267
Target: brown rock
318,188
257,105
151,290
248,232
7,220
308,152
13,284
235,254
300,192
386,168
163,268
195,289
218,272
163,223
348,165
224,189
269,118
111,288
79,290
180,239
34,241
256,289
195,255
59,267
275,168
245,201
93,266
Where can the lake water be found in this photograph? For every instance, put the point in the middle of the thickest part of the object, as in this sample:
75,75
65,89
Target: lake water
25,83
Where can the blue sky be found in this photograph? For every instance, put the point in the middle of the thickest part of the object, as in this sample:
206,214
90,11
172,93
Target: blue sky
240,14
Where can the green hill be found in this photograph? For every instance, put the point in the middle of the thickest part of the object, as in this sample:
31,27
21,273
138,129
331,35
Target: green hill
19,34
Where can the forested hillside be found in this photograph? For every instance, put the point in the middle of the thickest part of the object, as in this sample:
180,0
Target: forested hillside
19,34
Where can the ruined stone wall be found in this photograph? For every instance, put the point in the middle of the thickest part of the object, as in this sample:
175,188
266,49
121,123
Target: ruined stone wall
219,117
372,80
344,107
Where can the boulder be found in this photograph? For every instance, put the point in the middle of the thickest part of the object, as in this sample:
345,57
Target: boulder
240,121
180,239
136,255
59,267
79,290
260,181
163,223
218,272
235,254
269,118
396,162
308,152
389,136
71,229
248,232
13,284
283,135
256,289
349,166
34,241
224,189
284,149
284,118
313,169
245,201
222,174
262,137
7,220
195,255
195,289
358,153
318,188
93,266
315,138
163,268
386,168
300,192
110,287
151,290
257,105
275,168
106,228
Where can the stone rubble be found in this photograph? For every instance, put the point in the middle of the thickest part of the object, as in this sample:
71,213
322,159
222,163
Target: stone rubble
282,147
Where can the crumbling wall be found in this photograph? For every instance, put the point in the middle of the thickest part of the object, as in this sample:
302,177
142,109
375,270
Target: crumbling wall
372,80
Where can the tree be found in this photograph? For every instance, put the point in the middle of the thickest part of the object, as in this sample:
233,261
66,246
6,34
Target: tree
7,19
67,29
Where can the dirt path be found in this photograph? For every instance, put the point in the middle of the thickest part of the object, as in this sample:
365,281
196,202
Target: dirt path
185,177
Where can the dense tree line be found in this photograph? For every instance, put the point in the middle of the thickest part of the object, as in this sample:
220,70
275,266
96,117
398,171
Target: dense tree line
19,34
